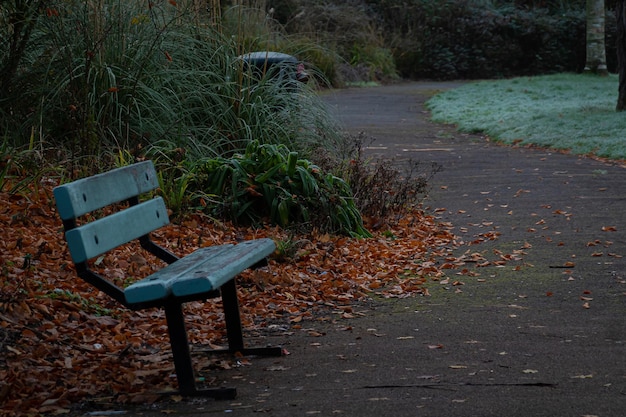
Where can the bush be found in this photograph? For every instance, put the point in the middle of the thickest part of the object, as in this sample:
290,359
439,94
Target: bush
270,183
444,39
349,29
382,188
461,40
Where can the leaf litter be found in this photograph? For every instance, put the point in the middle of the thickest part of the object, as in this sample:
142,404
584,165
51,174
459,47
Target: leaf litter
62,341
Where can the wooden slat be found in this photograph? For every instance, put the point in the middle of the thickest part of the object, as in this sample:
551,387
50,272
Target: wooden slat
212,275
88,194
204,270
95,238
158,285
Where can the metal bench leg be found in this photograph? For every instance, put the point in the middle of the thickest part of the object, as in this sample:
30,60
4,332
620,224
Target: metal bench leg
182,357
233,324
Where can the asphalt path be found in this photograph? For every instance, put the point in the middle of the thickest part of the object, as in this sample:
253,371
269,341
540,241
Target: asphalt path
539,331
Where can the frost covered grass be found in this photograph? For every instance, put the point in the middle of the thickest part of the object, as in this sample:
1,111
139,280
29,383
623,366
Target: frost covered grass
564,111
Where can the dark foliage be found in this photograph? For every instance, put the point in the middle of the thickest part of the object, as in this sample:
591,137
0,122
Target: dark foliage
462,39
458,39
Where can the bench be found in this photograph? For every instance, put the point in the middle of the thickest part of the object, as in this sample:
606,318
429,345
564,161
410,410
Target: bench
206,273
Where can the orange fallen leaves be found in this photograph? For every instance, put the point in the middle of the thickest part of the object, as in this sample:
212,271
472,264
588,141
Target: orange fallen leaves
62,340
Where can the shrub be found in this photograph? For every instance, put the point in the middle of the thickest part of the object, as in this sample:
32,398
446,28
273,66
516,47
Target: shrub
269,182
484,39
349,29
382,188
102,76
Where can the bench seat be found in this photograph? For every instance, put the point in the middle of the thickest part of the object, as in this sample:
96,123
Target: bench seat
203,271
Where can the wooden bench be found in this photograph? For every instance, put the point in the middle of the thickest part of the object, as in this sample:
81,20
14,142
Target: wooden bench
206,273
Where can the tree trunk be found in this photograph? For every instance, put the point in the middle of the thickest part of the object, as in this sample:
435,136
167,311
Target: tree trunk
596,55
620,14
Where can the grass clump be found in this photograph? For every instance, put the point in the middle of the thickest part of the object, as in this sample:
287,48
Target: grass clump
96,77
564,111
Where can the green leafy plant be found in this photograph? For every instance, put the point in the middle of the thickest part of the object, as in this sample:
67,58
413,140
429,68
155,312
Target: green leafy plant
269,182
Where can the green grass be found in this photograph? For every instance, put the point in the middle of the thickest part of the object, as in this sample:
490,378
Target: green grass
101,77
565,111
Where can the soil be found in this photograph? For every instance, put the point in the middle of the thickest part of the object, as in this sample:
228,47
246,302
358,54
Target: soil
542,333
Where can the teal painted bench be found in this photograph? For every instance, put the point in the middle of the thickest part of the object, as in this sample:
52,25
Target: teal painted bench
206,273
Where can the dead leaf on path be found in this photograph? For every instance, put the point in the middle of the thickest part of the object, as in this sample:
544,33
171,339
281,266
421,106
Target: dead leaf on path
405,337
530,371
69,332
609,229
277,368
457,367
582,376
520,192
439,346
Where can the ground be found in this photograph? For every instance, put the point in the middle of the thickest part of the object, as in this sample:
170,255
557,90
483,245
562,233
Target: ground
532,323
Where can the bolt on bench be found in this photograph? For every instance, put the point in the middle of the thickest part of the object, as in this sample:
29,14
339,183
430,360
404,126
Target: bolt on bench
206,273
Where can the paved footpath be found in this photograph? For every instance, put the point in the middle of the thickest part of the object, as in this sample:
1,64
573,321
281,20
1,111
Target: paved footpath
542,334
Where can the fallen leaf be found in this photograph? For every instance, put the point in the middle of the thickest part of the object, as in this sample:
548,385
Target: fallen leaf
276,368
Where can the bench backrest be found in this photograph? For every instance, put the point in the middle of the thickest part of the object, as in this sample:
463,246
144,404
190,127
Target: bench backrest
89,240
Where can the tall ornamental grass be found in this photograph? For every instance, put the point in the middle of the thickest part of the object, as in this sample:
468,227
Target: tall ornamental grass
104,75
